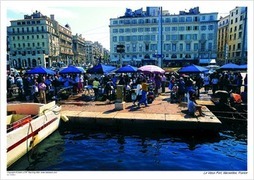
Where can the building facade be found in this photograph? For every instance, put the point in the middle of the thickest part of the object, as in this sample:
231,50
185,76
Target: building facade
237,36
79,49
222,54
185,38
38,40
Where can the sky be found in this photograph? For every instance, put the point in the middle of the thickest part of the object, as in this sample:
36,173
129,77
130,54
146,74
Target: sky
92,18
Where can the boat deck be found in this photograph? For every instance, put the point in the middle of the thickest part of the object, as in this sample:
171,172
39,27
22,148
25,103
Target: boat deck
161,113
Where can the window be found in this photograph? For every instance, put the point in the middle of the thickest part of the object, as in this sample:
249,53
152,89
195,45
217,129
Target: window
134,21
167,47
189,28
210,27
240,27
115,30
140,29
141,21
147,29
203,28
188,36
114,38
188,47
127,38
235,20
154,29
203,36
174,47
239,35
167,37
121,30
127,30
174,37
167,28
174,19
140,38
181,28
195,37
210,36
134,38
134,30
174,28
210,46
195,46
239,46
147,37
153,37
167,20
188,19
181,19
181,47
181,37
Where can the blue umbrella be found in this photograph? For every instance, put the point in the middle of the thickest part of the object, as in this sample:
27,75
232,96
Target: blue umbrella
40,70
193,69
230,66
72,69
243,67
127,69
101,69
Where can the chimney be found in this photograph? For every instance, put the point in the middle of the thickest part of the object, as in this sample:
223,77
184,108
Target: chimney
52,17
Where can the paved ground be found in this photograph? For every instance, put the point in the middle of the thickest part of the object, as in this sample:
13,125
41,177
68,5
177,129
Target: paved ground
161,104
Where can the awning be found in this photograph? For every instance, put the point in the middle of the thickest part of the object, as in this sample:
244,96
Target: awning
204,61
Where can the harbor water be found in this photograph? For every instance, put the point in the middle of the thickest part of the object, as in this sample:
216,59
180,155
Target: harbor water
86,148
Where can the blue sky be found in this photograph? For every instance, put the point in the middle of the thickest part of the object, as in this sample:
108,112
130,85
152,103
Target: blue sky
91,18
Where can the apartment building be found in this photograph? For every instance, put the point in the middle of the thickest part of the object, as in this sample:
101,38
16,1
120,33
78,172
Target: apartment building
237,36
38,40
222,54
187,37
79,49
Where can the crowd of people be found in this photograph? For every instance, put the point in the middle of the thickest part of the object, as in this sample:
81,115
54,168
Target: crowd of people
41,88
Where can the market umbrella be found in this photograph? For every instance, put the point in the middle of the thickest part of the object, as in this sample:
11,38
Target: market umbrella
230,66
193,69
151,69
72,69
243,67
101,69
127,69
40,70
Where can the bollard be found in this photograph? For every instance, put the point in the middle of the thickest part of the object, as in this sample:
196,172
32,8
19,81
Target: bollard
119,93
119,104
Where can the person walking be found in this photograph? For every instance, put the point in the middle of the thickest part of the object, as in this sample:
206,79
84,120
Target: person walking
138,92
143,99
215,81
206,82
42,90
96,85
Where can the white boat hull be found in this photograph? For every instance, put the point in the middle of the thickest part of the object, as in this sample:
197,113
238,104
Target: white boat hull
22,139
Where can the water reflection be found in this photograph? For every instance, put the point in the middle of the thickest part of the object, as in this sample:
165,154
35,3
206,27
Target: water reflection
110,148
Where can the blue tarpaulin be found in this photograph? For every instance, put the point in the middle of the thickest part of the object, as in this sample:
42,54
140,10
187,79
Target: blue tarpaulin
193,69
72,69
127,69
230,66
101,69
40,70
